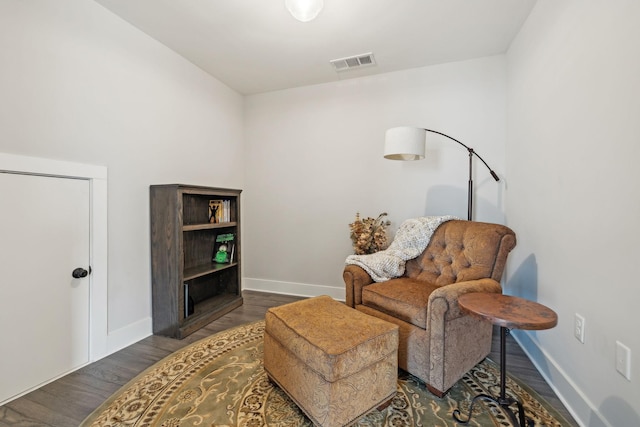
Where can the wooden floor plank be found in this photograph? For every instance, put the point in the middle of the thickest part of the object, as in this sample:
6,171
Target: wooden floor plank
67,401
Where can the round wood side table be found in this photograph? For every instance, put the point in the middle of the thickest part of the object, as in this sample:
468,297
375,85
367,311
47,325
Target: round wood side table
508,312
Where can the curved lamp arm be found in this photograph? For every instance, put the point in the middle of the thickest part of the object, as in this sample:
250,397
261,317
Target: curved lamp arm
408,144
469,149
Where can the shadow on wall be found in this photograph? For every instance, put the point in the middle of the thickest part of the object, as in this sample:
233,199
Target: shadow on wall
618,412
448,200
524,281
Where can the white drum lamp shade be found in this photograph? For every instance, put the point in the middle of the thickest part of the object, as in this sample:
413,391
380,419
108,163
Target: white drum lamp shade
404,143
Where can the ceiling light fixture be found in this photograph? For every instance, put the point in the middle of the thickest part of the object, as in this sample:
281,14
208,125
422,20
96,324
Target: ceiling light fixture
304,10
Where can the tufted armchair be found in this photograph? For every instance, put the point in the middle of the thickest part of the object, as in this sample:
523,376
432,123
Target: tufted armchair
438,343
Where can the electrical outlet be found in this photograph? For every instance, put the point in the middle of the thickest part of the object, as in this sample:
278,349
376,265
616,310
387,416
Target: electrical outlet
623,360
578,328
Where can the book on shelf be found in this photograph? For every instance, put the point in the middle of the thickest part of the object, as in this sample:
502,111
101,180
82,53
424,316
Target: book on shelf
189,305
215,211
186,300
224,248
219,211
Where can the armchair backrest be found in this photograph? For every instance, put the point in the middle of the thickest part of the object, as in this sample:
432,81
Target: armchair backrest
463,250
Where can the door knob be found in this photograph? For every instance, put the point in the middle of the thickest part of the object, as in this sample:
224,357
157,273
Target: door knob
79,273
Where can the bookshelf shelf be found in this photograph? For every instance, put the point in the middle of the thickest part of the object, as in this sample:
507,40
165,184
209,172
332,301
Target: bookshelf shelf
188,226
198,227
202,270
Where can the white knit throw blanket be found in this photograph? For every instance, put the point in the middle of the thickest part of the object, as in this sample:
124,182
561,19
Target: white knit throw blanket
411,239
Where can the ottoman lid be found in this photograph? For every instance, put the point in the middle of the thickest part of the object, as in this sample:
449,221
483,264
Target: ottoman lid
332,339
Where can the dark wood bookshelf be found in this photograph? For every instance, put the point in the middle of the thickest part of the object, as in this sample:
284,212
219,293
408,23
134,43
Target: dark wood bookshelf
183,244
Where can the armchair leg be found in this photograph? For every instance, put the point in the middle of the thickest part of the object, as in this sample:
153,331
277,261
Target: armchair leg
384,405
435,391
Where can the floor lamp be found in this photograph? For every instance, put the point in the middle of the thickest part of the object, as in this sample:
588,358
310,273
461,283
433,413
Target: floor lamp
408,143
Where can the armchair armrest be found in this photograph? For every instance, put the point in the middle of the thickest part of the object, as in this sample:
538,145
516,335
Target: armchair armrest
355,278
443,302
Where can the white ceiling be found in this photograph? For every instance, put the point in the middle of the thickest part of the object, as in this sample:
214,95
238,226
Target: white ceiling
256,46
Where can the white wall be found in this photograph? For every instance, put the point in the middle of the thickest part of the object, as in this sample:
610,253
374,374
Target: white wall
79,84
314,158
572,152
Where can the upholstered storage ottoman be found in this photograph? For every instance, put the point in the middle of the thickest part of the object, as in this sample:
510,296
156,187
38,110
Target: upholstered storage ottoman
334,362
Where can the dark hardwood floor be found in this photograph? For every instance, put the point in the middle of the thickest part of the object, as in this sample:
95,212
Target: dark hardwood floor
67,401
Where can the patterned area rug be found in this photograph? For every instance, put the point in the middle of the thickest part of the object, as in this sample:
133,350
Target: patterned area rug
220,381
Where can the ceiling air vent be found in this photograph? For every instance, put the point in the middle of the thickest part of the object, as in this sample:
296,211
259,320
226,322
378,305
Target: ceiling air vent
352,62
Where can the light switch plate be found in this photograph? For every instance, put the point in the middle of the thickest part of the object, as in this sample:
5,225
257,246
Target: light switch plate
578,328
623,360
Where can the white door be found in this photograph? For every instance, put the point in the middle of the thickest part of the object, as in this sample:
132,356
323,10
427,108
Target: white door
44,311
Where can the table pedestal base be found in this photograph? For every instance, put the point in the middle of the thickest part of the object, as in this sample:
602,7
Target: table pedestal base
503,401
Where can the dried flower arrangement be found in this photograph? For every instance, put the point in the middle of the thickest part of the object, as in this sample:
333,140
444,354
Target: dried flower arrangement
369,235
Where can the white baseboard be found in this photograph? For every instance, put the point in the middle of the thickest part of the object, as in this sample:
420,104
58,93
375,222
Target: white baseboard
127,335
290,288
573,398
